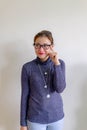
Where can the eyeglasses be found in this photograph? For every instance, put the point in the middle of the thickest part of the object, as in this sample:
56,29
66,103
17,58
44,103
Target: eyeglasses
44,46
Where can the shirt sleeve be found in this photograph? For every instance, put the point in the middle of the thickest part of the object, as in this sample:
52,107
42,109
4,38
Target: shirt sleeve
59,82
24,97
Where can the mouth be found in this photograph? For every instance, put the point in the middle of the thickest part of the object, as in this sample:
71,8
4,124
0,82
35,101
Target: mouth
41,53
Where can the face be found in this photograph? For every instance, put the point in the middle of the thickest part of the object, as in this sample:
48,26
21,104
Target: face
42,47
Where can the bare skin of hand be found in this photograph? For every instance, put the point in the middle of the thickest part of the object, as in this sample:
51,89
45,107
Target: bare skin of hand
54,56
23,128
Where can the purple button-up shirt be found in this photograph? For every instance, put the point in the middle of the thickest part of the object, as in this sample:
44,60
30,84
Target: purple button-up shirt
42,104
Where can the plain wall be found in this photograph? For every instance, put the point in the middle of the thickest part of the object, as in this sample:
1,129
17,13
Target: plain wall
20,20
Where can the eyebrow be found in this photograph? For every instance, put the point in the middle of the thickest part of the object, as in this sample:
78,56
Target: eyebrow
43,43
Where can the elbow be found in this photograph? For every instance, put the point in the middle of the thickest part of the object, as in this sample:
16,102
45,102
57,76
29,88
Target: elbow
61,88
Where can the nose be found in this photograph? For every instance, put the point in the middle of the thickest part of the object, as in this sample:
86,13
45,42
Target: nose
41,48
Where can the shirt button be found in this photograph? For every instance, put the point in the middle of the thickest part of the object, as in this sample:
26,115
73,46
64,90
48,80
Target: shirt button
45,73
48,95
45,86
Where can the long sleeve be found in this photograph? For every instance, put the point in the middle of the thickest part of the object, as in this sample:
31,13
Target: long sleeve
24,97
59,82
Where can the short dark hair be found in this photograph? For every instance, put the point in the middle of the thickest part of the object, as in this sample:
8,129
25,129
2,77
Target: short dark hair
44,33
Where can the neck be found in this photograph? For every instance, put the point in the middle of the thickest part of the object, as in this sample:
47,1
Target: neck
44,59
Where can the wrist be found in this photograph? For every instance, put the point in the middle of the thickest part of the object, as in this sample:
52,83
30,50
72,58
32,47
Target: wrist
57,63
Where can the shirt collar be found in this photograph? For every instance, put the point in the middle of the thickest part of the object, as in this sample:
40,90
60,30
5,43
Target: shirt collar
38,60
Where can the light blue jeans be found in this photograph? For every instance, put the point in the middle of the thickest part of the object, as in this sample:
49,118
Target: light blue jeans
58,125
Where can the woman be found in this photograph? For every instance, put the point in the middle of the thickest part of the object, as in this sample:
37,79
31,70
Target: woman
43,80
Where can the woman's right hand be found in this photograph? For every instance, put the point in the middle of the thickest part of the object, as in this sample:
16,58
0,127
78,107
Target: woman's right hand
23,128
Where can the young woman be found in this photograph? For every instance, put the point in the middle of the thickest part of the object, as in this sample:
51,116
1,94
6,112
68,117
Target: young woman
43,81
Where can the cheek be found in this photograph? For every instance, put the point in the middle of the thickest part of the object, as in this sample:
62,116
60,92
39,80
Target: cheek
36,51
47,51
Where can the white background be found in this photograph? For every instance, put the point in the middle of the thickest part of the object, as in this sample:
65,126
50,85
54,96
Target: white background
20,20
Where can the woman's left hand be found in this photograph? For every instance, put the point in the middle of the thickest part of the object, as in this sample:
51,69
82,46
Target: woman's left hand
54,56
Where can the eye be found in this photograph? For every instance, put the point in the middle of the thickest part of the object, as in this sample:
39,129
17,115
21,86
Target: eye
37,45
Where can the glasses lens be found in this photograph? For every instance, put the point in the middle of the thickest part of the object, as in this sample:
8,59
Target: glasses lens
37,46
46,46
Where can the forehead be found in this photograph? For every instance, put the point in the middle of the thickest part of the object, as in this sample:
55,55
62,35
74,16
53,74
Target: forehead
42,40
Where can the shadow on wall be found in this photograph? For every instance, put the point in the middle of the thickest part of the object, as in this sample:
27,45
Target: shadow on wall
75,97
80,82
13,56
81,112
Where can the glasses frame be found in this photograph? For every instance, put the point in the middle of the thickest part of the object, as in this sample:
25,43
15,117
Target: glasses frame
44,46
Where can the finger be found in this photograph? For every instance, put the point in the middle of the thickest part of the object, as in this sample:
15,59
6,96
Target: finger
51,51
52,55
